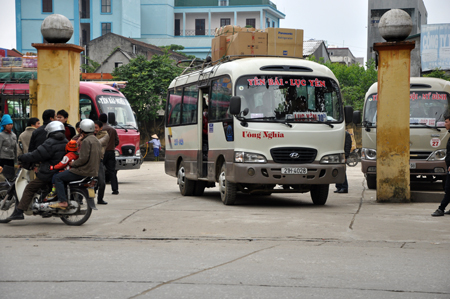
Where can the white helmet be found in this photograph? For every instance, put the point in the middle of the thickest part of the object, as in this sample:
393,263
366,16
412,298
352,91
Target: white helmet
54,126
87,125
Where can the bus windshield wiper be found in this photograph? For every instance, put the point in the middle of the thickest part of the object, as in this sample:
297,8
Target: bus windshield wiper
117,125
273,118
425,125
316,120
133,127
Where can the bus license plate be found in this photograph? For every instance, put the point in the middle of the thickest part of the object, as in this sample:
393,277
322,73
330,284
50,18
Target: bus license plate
294,170
412,165
129,161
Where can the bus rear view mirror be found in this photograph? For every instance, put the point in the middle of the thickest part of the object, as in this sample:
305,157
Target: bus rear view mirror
356,117
348,112
111,118
235,105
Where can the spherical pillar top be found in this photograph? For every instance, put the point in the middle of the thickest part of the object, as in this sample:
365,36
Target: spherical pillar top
57,29
395,25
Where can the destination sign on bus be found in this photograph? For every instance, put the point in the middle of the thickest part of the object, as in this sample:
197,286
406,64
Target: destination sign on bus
291,82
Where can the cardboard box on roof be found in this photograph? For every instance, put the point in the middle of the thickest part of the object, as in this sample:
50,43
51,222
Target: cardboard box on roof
285,42
247,43
218,47
228,30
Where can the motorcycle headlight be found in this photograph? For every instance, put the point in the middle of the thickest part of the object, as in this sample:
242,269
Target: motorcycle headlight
333,159
246,157
368,154
117,153
438,155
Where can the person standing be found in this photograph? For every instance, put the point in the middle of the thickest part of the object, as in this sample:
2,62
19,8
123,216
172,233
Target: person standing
48,153
446,200
63,116
343,188
8,142
103,137
40,135
85,166
24,138
109,159
156,146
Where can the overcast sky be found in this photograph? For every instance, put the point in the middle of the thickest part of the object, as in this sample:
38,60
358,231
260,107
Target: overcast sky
339,22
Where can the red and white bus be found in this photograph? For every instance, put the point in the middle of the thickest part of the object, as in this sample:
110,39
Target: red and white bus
94,99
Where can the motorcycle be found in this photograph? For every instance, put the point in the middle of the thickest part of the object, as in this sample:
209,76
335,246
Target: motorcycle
353,158
80,193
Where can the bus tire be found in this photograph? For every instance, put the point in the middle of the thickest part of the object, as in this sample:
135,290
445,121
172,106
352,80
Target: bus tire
371,181
199,188
186,185
227,189
319,194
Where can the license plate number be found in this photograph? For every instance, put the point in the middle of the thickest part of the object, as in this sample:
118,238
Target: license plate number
129,161
412,165
294,170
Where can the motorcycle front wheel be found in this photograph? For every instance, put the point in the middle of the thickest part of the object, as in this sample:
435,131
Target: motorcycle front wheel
7,206
83,212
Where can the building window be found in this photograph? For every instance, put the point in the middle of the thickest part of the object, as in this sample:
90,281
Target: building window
177,27
85,13
250,22
225,22
267,23
223,2
106,6
118,64
273,24
47,5
106,28
199,26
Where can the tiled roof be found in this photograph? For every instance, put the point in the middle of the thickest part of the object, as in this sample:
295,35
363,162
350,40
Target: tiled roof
310,46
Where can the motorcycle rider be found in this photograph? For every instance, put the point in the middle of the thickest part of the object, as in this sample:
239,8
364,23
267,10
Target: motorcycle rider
48,153
87,163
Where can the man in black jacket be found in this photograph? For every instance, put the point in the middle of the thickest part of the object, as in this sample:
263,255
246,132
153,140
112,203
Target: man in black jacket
446,200
343,188
39,135
48,153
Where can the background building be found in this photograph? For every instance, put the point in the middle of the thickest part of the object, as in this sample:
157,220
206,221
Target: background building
190,23
344,56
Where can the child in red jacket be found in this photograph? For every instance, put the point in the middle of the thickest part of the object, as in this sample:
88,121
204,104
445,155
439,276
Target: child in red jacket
72,155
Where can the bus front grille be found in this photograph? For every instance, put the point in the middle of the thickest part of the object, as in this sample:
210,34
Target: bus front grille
419,155
128,150
293,155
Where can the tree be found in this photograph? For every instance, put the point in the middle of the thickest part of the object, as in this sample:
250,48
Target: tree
438,73
147,85
90,66
354,80
177,49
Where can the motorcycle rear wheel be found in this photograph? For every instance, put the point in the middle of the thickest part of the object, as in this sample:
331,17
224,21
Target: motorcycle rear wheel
84,210
7,206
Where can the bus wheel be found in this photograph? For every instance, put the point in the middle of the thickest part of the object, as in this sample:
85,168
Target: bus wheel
199,188
186,185
371,181
227,189
319,194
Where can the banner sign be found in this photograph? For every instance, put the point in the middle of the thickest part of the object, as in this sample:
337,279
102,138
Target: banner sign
435,47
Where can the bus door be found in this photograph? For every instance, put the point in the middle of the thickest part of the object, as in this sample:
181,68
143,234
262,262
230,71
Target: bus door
203,157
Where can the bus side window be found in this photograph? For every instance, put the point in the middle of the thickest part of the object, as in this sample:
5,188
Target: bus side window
220,99
173,112
190,105
86,108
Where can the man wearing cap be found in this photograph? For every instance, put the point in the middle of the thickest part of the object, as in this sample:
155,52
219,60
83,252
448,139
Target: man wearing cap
109,159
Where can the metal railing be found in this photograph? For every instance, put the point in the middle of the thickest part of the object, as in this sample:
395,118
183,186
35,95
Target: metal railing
194,32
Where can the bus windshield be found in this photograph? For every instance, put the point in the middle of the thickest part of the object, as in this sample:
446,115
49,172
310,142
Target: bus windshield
120,107
290,98
426,108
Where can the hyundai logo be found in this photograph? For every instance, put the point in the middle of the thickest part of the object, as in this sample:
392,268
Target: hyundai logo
130,151
294,155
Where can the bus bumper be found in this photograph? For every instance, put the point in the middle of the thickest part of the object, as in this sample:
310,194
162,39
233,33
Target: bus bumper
271,174
417,167
128,162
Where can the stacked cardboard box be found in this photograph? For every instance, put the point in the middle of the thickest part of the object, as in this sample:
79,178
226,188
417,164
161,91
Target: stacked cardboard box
285,42
234,41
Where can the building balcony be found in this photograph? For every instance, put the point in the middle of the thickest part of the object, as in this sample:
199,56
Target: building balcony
219,3
194,32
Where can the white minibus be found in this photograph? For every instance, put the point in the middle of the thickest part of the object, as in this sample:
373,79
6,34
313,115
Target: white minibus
428,136
272,125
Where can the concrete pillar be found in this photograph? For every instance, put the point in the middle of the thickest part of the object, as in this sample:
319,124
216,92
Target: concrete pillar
58,83
393,176
33,99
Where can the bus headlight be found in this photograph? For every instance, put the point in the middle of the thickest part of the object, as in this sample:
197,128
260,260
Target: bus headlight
438,155
246,157
368,154
138,153
333,159
117,153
